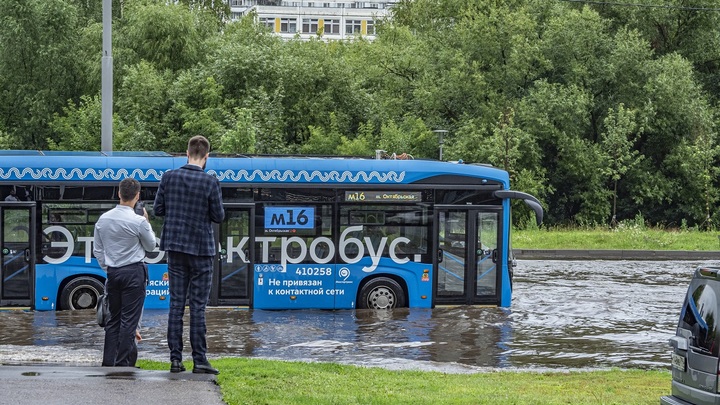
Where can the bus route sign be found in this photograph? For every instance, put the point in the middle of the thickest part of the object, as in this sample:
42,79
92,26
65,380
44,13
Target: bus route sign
289,218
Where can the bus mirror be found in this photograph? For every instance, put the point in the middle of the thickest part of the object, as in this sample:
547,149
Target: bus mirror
531,201
535,206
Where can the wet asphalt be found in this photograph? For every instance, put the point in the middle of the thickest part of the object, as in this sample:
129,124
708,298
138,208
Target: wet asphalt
47,384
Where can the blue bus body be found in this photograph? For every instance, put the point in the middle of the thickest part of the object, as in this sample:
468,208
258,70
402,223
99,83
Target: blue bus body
300,232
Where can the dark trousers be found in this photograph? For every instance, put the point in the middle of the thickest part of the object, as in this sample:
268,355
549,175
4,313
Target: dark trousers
126,293
190,279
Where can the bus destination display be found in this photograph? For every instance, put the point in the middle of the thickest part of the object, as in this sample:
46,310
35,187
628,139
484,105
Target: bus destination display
383,196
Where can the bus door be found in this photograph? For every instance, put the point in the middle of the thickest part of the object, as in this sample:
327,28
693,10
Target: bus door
17,238
467,260
232,280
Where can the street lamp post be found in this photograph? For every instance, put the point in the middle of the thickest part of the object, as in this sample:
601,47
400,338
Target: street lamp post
107,79
441,138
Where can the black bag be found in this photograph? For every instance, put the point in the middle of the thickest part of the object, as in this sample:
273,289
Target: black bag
103,309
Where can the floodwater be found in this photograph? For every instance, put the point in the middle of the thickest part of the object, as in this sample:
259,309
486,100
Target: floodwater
564,315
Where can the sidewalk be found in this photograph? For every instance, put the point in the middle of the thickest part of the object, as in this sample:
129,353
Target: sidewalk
581,254
46,384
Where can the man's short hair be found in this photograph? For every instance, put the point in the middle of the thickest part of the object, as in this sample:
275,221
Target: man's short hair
198,147
129,189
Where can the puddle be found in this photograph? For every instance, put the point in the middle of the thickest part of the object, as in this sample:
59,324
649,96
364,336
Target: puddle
564,315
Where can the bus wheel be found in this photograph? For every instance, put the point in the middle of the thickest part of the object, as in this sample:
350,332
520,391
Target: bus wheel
81,293
382,293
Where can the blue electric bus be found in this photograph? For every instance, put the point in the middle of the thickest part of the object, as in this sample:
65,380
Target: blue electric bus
299,232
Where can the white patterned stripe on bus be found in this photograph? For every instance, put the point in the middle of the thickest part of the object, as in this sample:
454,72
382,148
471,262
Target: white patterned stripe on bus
227,175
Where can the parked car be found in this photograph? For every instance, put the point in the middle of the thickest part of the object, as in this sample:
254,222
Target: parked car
696,342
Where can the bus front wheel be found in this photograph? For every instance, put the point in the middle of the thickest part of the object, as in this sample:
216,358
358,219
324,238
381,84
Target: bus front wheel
381,293
81,293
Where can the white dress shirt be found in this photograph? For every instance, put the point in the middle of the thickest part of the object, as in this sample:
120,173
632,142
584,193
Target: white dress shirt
122,237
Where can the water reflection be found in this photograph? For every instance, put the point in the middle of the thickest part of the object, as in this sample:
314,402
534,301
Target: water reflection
563,315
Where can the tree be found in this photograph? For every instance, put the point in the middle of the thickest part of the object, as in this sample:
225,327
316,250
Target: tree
169,36
558,117
77,128
38,68
673,114
616,144
195,105
142,105
242,135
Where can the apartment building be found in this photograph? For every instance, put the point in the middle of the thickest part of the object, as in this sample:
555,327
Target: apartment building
329,19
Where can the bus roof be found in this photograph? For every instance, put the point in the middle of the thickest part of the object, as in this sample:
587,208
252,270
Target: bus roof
56,166
18,152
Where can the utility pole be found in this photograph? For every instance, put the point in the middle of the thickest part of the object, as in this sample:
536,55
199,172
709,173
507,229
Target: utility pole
107,79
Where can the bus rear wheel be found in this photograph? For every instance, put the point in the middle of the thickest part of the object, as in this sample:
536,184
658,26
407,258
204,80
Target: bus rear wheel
81,293
381,293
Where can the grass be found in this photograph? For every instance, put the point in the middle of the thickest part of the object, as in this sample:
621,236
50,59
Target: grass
256,381
622,238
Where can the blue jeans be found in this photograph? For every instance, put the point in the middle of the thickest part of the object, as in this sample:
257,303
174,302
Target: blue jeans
190,279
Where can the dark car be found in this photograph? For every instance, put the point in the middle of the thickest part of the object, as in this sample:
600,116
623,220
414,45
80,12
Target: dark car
695,344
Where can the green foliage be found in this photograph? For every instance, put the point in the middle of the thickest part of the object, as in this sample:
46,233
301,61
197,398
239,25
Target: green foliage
601,111
412,136
617,149
38,69
78,126
242,135
170,36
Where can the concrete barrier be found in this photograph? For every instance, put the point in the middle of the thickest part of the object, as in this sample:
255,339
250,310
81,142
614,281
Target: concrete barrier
582,254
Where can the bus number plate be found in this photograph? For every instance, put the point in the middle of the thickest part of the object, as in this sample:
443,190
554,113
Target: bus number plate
678,362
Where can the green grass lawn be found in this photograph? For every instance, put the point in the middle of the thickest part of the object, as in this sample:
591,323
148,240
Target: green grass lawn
622,237
255,381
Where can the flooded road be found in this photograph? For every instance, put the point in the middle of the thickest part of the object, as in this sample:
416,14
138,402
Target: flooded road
564,315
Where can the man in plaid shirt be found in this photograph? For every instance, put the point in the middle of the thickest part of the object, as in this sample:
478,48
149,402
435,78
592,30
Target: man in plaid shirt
190,200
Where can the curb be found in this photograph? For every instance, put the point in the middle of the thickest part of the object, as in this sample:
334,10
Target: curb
580,254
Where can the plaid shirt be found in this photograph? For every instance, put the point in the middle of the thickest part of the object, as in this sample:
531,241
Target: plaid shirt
189,199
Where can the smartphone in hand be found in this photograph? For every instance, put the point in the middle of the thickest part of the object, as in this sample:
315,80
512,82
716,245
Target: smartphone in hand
140,208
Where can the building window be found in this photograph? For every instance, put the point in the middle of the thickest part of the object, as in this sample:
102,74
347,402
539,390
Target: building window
268,22
331,27
235,15
371,27
353,27
288,25
310,25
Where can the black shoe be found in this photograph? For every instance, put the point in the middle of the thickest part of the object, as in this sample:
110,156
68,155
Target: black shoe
204,368
176,366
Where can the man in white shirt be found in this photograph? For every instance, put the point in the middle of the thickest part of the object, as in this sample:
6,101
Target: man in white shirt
121,239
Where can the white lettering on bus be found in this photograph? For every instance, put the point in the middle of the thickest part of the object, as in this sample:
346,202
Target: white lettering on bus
69,244
239,249
265,240
288,252
330,250
351,241
286,242
393,250
157,292
88,246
